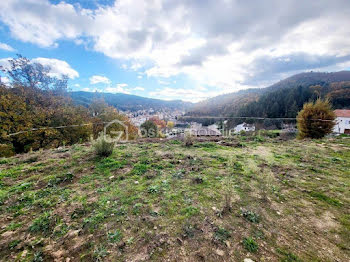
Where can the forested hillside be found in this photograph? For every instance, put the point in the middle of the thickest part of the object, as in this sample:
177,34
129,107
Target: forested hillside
128,102
283,99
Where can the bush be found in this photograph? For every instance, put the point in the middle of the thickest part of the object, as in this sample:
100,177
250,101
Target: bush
6,150
149,129
188,139
103,147
316,120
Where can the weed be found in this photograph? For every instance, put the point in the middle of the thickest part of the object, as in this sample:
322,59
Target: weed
4,161
221,234
13,243
179,174
137,208
100,253
153,189
250,215
103,148
67,177
139,169
95,220
174,142
327,199
114,237
287,256
189,231
21,187
110,163
45,224
250,244
198,180
190,211
38,257
13,226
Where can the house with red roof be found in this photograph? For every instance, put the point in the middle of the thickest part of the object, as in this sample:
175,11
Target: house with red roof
342,121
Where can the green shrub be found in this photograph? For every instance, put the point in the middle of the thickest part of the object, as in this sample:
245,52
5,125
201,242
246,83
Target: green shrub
315,120
6,150
188,139
103,148
149,129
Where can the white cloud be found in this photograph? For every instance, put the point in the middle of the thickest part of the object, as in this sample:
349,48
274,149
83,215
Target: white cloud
96,79
4,80
119,88
166,38
138,88
6,47
192,95
58,68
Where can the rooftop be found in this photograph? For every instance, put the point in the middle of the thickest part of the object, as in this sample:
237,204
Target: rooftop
342,112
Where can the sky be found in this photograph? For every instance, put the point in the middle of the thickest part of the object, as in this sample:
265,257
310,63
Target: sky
177,49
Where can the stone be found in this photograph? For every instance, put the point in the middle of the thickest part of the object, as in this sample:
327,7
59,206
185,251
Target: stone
220,252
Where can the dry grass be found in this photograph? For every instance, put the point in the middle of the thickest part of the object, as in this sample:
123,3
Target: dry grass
163,201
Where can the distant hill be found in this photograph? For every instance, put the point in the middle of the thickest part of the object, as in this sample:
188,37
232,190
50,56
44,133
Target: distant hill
126,102
283,99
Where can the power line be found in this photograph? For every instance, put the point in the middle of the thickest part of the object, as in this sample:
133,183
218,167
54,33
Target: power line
250,117
189,117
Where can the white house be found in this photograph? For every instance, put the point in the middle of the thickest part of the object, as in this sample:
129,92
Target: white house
244,127
342,121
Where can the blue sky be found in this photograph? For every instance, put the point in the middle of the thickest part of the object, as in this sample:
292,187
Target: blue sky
174,49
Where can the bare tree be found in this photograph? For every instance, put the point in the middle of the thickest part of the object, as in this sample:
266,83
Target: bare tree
23,72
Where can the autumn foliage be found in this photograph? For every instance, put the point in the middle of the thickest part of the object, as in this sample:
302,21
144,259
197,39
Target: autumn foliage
34,102
316,119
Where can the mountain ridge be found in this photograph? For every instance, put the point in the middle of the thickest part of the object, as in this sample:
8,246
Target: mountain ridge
231,103
126,102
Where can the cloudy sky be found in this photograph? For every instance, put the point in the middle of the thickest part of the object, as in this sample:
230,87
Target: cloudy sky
177,49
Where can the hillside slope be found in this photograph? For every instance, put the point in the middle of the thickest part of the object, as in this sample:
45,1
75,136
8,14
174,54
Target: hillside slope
168,202
129,102
233,103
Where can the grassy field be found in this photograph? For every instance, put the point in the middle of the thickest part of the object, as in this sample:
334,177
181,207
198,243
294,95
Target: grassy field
258,198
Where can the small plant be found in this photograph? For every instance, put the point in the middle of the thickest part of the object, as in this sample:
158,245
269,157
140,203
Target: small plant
153,189
45,223
179,174
103,148
140,169
221,234
188,139
38,257
250,216
115,236
288,256
189,231
250,244
190,211
67,177
14,243
100,253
